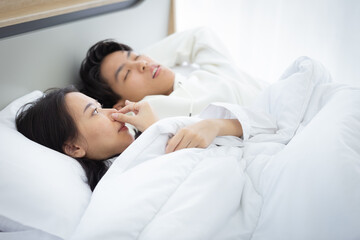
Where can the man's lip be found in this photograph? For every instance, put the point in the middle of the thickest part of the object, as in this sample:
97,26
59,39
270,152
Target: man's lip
157,72
158,67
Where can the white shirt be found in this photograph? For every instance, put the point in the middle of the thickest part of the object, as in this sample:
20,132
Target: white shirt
214,79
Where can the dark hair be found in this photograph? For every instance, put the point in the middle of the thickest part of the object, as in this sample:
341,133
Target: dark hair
47,122
92,83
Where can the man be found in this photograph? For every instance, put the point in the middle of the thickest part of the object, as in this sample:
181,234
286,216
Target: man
112,73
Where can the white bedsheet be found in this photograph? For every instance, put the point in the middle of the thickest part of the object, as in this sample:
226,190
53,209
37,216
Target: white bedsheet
294,175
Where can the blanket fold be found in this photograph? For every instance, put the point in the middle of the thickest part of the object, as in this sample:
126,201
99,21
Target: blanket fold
231,189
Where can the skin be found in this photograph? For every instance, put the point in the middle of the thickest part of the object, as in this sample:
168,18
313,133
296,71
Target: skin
144,116
198,135
100,136
201,134
131,76
103,134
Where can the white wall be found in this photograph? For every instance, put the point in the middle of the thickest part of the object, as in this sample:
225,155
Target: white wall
51,57
265,36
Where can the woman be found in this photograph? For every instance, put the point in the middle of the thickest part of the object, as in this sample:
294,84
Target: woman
112,73
72,123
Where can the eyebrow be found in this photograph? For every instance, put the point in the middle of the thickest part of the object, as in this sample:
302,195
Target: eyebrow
121,66
87,106
90,104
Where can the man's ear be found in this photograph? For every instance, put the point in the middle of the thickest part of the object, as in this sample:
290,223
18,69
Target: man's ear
120,104
74,150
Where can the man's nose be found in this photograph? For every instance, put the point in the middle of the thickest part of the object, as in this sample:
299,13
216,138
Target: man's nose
140,65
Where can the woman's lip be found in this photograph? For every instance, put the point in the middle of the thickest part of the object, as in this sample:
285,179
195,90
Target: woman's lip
123,128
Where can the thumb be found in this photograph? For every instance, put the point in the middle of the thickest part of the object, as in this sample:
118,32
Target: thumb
120,117
128,102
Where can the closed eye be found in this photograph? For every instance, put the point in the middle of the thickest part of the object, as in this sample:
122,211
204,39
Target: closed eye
127,73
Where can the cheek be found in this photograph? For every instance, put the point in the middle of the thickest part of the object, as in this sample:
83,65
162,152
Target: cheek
125,140
99,129
117,88
93,138
135,89
169,75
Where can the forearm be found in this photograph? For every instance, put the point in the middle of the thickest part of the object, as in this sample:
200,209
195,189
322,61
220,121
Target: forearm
170,50
200,46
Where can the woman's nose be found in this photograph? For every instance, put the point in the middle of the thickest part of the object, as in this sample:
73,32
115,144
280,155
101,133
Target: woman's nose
109,111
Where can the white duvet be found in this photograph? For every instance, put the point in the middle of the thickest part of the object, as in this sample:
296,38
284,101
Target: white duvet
295,174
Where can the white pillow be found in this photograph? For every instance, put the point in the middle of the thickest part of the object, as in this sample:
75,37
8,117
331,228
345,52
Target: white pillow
39,188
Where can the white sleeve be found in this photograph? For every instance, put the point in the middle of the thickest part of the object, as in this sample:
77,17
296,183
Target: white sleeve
216,80
253,122
199,46
170,106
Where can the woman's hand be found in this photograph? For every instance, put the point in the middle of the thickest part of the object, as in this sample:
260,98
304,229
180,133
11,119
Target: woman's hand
144,115
201,134
198,135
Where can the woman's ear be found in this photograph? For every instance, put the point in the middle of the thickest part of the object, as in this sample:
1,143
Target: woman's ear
74,150
120,104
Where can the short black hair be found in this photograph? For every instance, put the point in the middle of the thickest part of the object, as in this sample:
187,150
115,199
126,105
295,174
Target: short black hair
92,83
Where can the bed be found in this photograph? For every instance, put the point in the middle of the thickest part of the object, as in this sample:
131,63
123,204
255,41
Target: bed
296,179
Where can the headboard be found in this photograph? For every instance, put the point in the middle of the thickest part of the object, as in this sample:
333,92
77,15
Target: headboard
38,59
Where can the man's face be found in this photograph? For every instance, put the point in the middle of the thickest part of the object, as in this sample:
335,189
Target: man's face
134,76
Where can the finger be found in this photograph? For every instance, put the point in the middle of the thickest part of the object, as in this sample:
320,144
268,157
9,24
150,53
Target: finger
128,102
128,108
193,144
184,143
136,106
120,117
119,105
173,142
197,142
125,109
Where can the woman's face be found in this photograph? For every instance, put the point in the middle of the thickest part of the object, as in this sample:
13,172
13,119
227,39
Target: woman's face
100,137
134,76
